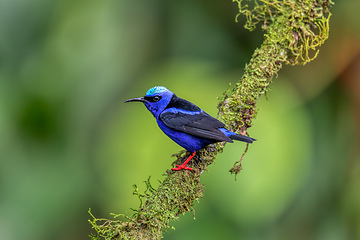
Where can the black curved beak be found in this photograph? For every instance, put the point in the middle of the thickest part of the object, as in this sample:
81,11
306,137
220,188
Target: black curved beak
140,99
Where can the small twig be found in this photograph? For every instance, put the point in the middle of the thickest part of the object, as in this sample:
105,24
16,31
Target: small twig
237,165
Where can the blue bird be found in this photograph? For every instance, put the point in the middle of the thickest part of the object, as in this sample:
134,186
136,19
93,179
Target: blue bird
185,123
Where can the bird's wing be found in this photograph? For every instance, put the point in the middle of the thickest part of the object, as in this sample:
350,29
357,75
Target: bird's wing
199,123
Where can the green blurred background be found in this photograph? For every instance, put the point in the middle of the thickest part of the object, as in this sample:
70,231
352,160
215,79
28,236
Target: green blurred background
68,143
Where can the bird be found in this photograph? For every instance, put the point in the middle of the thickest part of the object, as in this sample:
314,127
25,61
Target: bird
185,123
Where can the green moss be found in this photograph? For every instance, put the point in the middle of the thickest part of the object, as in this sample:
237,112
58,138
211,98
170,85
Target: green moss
297,27
176,195
294,30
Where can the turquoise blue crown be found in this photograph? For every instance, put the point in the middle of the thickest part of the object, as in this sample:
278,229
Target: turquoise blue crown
156,90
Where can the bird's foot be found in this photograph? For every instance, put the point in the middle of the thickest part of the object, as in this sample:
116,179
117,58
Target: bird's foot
183,166
179,167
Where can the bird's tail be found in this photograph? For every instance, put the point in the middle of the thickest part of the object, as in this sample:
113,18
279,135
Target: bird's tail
242,138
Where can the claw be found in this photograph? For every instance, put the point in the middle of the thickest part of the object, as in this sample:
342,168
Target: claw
179,167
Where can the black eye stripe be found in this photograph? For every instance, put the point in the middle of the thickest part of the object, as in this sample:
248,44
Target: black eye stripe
153,98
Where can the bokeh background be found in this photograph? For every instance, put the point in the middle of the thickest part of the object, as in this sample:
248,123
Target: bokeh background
68,143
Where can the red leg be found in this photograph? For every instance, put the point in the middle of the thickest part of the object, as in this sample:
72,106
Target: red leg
183,166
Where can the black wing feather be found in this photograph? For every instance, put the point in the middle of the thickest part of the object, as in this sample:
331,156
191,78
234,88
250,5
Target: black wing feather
200,124
183,104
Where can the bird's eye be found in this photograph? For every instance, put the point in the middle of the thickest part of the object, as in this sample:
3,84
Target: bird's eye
156,98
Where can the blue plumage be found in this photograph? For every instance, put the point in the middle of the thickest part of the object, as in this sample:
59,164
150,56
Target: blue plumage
185,123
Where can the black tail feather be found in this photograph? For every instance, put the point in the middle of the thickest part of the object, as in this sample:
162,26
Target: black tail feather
242,138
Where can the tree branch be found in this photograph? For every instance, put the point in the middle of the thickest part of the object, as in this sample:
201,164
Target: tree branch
293,30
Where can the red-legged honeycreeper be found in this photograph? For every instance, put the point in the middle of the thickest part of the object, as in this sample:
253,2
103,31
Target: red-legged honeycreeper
185,123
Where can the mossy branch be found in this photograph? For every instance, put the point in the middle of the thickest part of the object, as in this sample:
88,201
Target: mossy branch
294,29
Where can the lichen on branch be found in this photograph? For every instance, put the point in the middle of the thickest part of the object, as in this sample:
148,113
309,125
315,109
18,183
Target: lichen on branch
298,26
175,195
293,31
293,28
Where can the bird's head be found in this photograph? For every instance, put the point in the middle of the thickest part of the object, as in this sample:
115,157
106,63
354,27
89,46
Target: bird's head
156,99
